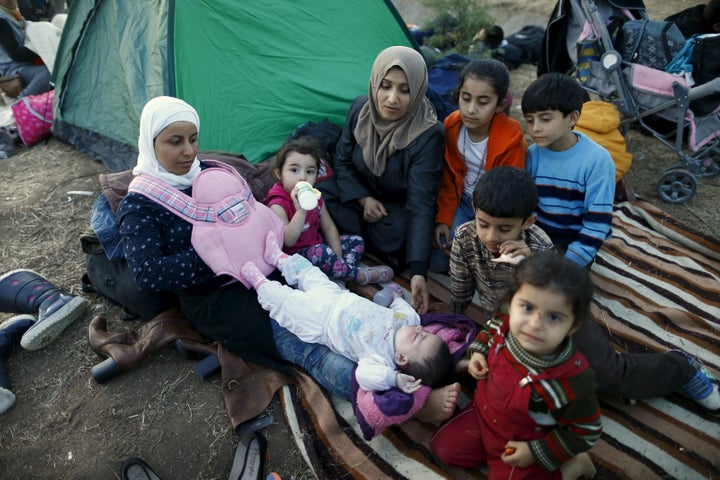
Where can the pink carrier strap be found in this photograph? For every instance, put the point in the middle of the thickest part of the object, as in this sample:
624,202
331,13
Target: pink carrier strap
229,224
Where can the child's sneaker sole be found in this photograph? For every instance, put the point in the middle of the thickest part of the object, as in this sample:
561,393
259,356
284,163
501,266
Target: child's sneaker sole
45,331
7,399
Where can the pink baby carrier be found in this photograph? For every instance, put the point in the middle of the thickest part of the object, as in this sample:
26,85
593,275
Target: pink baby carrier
229,224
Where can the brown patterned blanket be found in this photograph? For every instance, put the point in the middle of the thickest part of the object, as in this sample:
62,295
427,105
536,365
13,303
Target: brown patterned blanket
658,287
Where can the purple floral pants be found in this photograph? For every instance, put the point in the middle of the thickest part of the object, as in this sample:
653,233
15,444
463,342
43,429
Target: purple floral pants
338,268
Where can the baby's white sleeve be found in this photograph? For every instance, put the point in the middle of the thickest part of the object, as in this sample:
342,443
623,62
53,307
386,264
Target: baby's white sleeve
374,374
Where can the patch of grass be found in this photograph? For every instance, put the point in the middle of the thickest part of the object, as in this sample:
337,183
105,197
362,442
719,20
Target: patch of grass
454,23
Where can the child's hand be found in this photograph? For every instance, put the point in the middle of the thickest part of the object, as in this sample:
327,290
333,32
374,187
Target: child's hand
296,203
517,454
513,248
462,365
478,366
441,239
406,383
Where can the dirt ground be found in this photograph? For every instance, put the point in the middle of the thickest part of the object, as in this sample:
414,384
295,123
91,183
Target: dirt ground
66,426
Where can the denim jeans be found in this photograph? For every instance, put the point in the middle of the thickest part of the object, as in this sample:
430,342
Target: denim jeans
332,371
36,79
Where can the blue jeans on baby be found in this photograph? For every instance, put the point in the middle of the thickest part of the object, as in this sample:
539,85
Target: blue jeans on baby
332,371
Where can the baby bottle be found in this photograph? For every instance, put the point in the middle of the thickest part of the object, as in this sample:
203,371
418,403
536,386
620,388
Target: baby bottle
386,296
307,195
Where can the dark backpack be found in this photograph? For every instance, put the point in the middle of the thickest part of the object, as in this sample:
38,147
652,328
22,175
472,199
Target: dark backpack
524,46
706,66
326,132
443,78
650,43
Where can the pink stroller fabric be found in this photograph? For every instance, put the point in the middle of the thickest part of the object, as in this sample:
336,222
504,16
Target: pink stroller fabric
652,88
229,224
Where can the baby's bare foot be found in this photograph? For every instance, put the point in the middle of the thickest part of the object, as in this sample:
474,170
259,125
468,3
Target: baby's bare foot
440,405
580,466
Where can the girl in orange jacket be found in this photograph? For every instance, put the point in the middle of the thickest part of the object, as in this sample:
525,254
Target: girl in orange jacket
478,136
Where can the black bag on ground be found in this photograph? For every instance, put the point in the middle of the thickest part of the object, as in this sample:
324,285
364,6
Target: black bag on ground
524,46
706,66
650,43
113,279
443,78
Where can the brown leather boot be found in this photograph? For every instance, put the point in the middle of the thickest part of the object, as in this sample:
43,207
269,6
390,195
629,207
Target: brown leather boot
247,388
125,349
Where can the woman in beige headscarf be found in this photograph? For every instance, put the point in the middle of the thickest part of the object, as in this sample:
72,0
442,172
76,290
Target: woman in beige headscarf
387,167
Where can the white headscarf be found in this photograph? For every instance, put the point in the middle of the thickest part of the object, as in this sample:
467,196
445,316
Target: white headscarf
157,114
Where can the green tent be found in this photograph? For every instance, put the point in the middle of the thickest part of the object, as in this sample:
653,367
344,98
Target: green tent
254,70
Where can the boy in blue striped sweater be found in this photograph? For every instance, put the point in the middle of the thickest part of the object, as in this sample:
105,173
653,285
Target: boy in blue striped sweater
575,176
576,184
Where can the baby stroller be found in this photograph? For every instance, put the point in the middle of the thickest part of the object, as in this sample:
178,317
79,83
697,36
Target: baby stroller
583,39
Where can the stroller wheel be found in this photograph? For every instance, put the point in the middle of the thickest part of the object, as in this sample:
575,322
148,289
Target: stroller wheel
677,185
709,167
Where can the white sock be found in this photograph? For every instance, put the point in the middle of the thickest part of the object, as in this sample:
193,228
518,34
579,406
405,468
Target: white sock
712,401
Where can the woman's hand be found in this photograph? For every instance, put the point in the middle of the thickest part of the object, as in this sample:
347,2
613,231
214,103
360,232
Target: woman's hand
478,366
373,209
419,295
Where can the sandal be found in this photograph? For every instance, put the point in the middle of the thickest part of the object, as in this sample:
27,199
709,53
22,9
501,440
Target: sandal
385,274
249,460
136,469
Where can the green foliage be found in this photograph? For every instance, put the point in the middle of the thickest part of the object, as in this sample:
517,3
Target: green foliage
455,22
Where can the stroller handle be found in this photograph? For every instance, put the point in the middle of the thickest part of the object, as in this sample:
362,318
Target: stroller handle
713,86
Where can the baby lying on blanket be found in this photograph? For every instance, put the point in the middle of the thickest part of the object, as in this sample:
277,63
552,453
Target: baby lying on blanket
375,411
379,339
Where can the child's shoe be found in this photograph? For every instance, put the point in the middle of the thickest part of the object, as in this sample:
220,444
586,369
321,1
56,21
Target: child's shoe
379,274
10,333
26,291
703,387
386,296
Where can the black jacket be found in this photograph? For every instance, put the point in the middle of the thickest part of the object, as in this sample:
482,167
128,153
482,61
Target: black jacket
411,180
